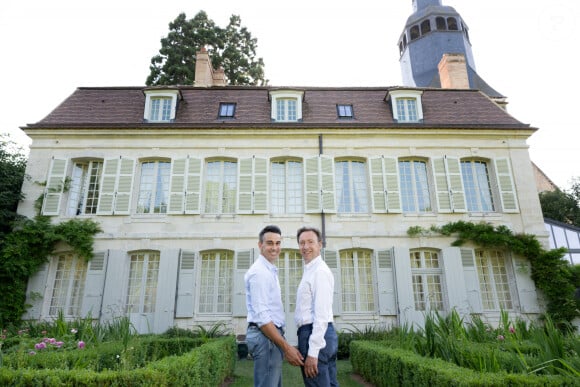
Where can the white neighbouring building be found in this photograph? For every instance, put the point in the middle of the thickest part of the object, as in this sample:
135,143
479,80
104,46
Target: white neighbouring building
182,179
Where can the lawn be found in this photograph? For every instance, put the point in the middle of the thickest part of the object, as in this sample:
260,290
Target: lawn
243,375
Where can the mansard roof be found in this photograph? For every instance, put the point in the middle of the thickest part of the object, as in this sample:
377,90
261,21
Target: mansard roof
110,107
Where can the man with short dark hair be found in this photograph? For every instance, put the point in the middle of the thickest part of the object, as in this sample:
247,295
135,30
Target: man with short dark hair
317,339
266,319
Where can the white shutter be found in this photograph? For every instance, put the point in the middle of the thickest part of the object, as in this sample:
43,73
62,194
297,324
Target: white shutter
177,186
54,187
166,290
108,184
36,293
392,183
449,185
386,283
312,187
260,185
471,280
185,285
319,187
124,187
116,187
244,260
193,186
327,184
441,185
245,186
455,281
94,285
408,316
526,287
509,200
332,260
378,185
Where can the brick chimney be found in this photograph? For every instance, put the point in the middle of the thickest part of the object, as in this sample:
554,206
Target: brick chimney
453,72
205,74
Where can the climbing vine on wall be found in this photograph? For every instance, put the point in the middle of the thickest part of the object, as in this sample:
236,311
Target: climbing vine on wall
551,274
25,249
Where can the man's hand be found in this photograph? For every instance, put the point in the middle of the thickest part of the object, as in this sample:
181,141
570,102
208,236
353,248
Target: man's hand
293,356
311,367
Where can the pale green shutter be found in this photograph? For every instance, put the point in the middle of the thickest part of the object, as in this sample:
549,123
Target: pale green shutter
260,185
458,203
526,287
312,187
327,184
185,285
193,186
124,187
94,286
245,186
36,293
386,283
471,280
108,185
333,262
244,260
177,186
408,316
378,185
509,200
54,187
450,259
392,183
441,185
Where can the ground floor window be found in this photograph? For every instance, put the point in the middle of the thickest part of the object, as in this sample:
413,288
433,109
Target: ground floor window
68,285
142,290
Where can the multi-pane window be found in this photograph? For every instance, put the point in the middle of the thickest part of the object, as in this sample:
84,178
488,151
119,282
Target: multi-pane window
286,187
215,289
407,109
227,110
351,186
290,266
68,286
142,289
427,275
160,109
477,186
84,188
414,186
154,187
220,187
286,109
344,111
357,281
492,271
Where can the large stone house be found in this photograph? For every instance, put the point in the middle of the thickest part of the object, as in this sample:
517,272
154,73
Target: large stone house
182,179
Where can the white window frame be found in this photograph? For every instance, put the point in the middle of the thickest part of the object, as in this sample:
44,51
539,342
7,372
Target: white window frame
403,115
84,187
476,197
143,282
353,280
415,190
356,195
67,285
421,273
215,296
159,186
495,275
220,200
287,187
151,95
279,96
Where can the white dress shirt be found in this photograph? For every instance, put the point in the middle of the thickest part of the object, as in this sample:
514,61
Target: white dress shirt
314,302
263,295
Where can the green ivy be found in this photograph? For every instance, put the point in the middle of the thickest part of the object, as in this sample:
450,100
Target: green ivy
27,247
551,274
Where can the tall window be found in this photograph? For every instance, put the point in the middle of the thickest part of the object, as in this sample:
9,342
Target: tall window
493,277
351,186
414,186
160,109
357,281
154,188
289,274
286,109
84,188
220,187
142,290
427,275
407,109
477,186
68,286
287,190
217,269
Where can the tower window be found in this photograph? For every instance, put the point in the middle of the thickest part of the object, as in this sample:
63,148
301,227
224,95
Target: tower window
452,24
440,22
415,32
425,27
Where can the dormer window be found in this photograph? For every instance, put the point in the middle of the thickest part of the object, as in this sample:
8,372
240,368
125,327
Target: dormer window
406,105
160,105
286,105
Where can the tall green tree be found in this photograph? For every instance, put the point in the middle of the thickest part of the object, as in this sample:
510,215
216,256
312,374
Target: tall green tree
561,206
12,168
232,48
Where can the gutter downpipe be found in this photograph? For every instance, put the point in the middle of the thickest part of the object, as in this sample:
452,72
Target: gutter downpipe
322,215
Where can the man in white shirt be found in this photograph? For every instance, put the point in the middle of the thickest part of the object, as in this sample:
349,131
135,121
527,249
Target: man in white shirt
265,334
317,339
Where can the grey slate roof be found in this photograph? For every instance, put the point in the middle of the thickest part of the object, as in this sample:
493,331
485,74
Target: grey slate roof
198,107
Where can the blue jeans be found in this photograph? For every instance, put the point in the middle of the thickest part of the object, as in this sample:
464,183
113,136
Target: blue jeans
267,358
326,357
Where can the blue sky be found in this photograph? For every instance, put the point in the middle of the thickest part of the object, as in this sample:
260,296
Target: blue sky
523,48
